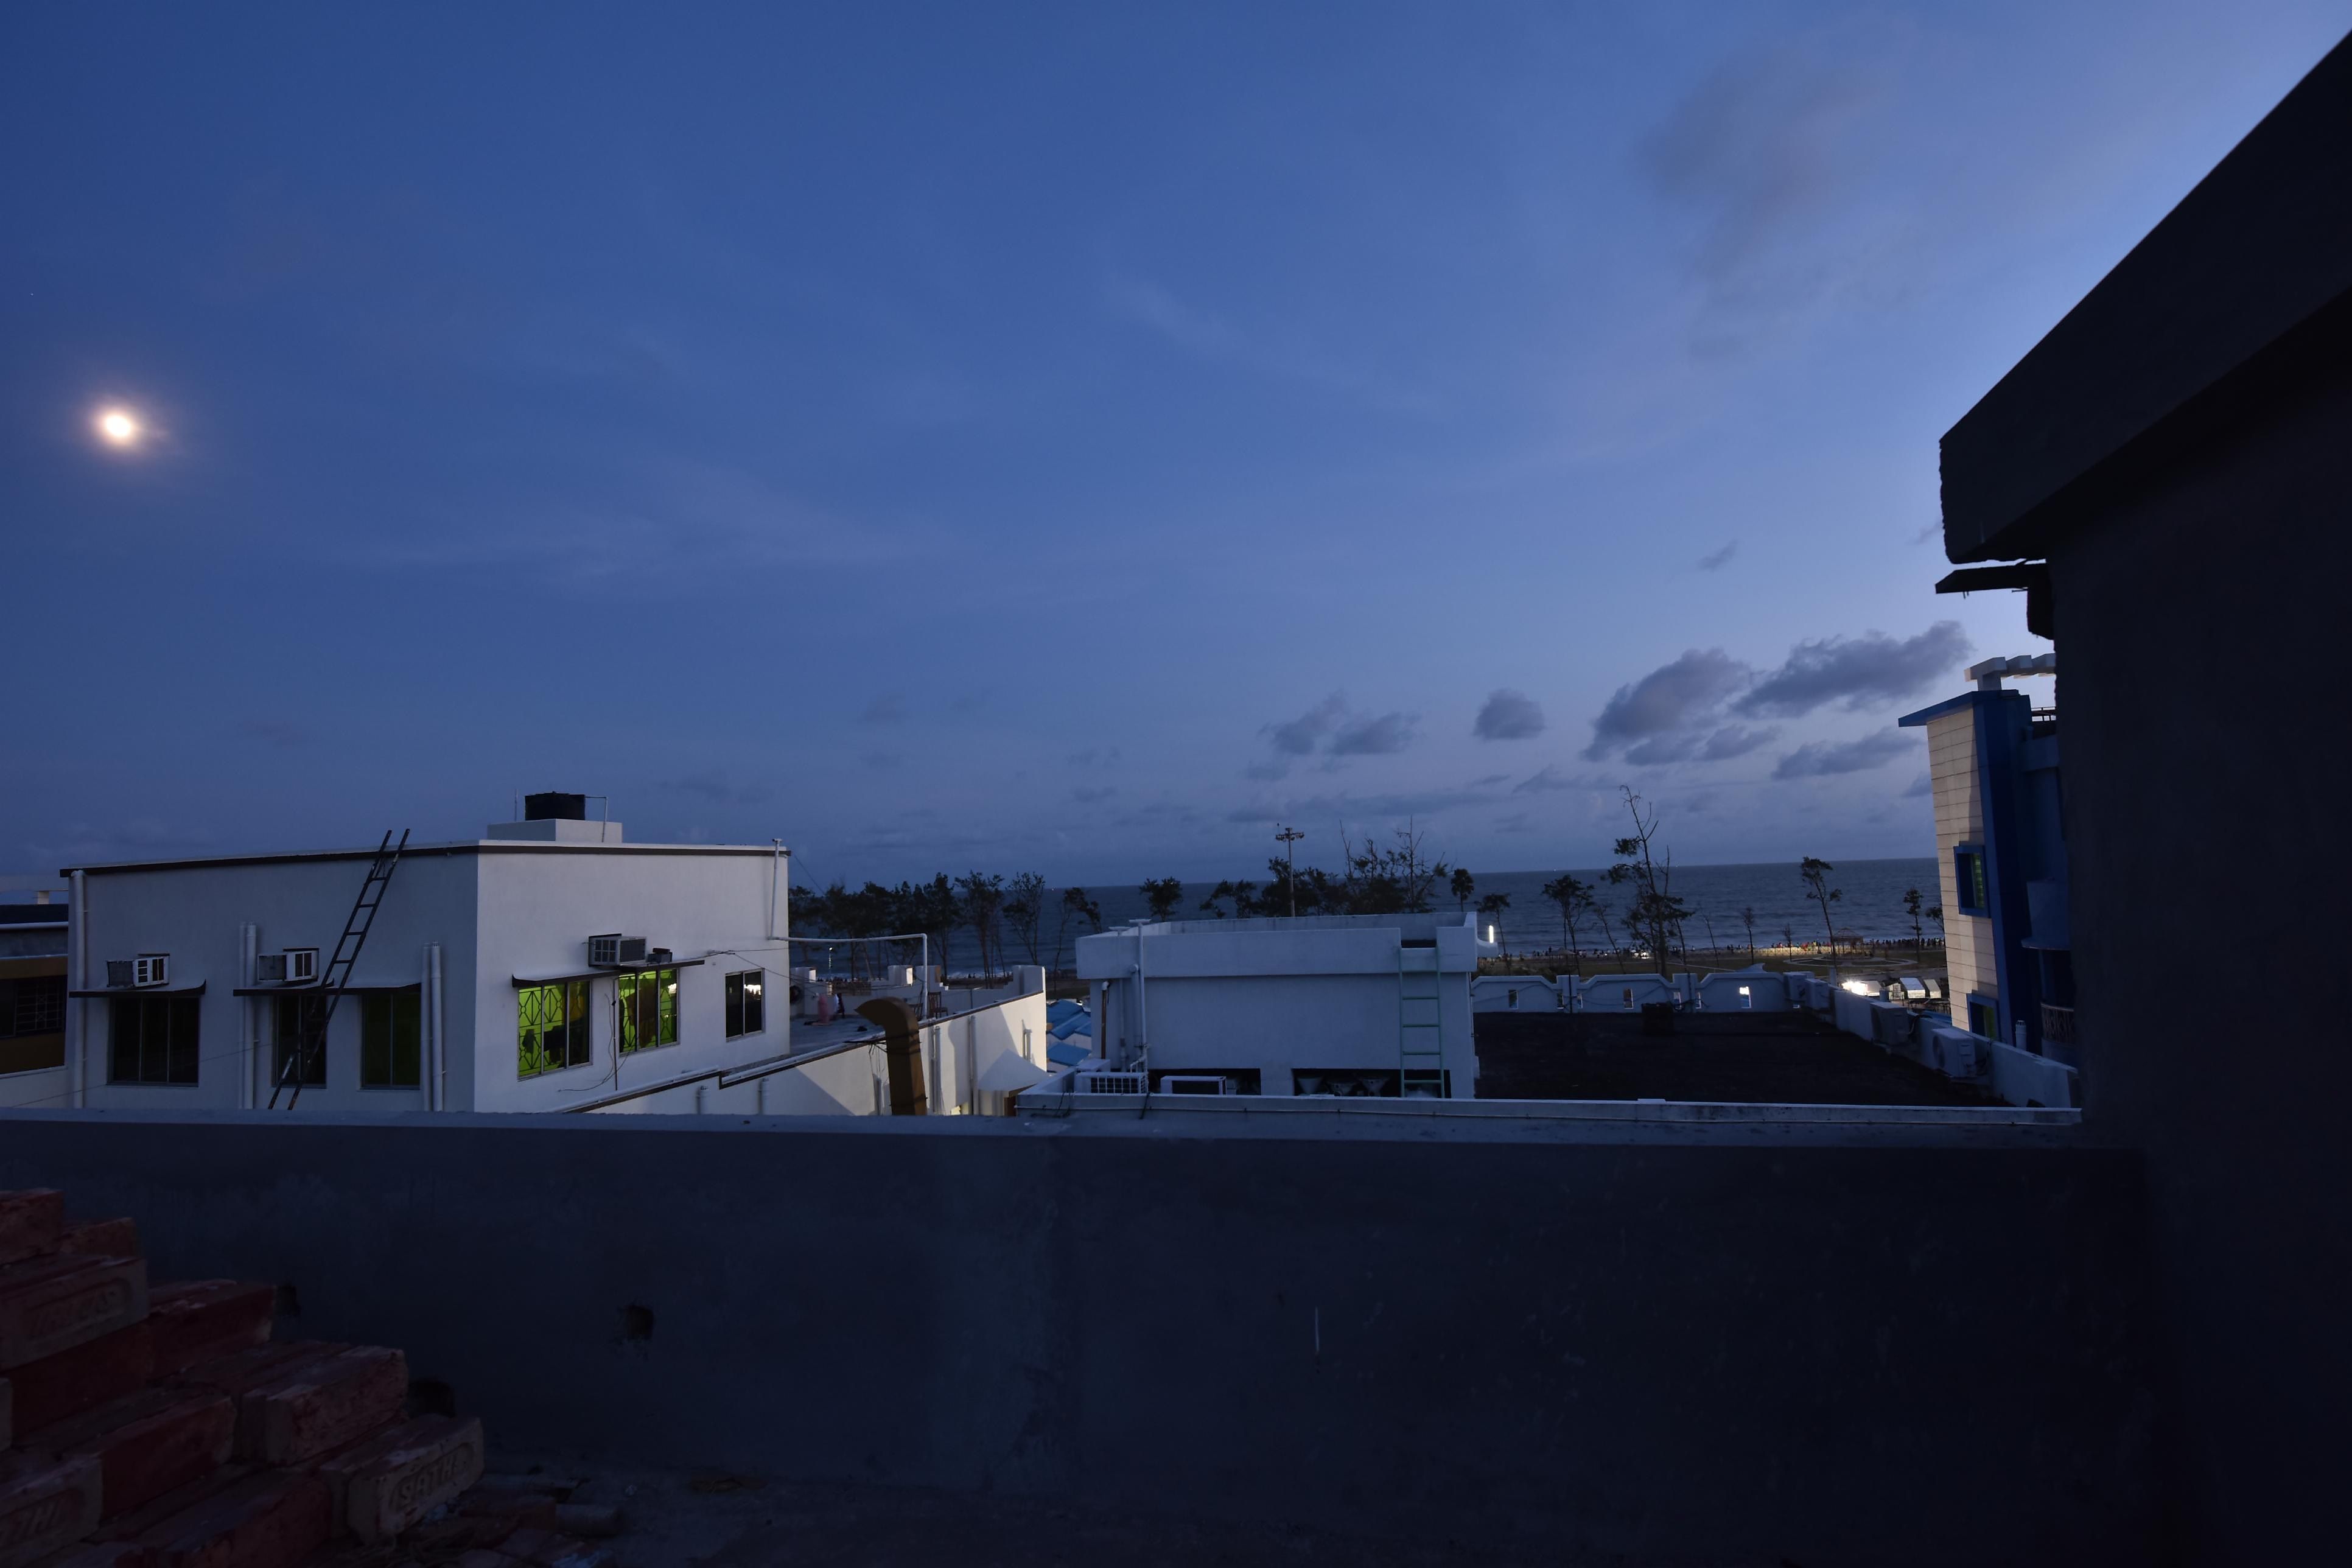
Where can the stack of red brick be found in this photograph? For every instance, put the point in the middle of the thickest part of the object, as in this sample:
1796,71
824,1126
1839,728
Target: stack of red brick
161,1428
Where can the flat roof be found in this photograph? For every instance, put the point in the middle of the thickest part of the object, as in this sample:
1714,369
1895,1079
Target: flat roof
2261,245
458,847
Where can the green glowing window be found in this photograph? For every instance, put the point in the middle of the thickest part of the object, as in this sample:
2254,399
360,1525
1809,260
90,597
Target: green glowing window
392,1040
648,1010
551,1028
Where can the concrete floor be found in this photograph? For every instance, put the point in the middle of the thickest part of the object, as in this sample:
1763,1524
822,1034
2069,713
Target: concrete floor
682,1520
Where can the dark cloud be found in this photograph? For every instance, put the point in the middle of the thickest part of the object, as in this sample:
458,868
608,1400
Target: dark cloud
1104,755
1820,758
1546,779
1508,715
1691,689
1857,672
1660,750
1755,149
1921,786
1371,736
1490,780
1299,737
888,709
1715,558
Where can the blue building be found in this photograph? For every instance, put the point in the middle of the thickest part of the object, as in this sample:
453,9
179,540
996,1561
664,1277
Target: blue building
1992,758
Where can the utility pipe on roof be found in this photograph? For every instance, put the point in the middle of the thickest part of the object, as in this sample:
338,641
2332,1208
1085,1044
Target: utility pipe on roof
435,1019
78,943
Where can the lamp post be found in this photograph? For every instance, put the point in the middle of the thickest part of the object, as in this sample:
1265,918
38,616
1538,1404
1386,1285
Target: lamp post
1287,838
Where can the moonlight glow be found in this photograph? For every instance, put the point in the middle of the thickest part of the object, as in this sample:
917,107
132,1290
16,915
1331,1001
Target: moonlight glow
117,427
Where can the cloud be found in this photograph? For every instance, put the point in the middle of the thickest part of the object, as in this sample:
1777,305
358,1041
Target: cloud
1299,736
1689,689
1930,533
279,731
1737,741
1866,672
1716,558
1921,786
1508,715
882,760
888,709
1089,794
1104,755
1518,822
1371,736
1268,771
1549,778
1490,780
1660,750
1821,758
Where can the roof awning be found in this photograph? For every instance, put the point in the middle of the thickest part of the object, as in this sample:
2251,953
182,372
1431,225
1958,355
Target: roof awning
327,990
195,989
562,976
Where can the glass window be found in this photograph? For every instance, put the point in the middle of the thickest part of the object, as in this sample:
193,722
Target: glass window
152,1039
34,1005
295,1014
392,1040
1968,868
551,1028
649,1009
747,1008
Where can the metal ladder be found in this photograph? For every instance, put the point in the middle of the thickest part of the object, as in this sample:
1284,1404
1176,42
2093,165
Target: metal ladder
1420,1037
338,973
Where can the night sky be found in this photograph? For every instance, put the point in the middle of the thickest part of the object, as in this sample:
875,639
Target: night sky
1029,438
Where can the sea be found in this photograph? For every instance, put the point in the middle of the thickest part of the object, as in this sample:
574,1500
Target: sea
1870,906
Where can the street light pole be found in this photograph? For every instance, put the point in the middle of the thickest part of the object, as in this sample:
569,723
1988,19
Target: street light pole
1287,838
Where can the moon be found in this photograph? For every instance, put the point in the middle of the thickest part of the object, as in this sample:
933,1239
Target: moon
117,427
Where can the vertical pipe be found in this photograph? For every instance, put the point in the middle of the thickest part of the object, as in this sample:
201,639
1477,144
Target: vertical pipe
249,947
78,1016
436,1021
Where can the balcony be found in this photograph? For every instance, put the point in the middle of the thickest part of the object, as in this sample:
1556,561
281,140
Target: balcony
2057,1025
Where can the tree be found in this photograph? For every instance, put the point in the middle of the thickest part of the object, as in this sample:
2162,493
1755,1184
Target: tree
1815,875
1291,888
1749,916
1392,879
982,896
1463,886
1911,906
1024,912
1709,922
1648,868
1244,895
1493,905
1576,906
1163,894
931,908
1075,902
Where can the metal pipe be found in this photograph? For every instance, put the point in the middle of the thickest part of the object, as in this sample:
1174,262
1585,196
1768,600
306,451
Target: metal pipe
436,1018
249,947
79,940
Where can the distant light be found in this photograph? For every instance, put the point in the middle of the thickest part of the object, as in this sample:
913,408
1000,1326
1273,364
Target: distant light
1861,987
119,428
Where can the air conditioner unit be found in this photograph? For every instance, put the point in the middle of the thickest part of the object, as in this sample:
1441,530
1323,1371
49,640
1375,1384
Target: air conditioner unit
657,956
1113,1083
269,969
152,969
1191,1083
117,973
615,951
301,965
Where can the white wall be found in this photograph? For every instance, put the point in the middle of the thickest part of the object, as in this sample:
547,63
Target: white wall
1513,994
1623,993
1766,992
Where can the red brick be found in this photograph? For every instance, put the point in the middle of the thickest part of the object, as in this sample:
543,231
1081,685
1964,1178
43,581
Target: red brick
30,1222
56,1303
238,1375
273,1519
97,1554
45,1504
204,1319
483,1557
150,1442
101,1238
70,1382
386,1484
324,1405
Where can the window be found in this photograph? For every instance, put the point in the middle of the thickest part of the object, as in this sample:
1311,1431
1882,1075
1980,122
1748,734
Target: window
747,1002
294,1015
551,1028
648,1010
152,1039
1969,864
392,1039
1984,1017
34,1005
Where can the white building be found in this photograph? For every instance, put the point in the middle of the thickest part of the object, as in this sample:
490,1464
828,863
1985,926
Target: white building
480,987
1348,1004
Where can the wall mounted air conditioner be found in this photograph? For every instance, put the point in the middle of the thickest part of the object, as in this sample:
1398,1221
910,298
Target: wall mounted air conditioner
1192,1083
1112,1083
117,973
615,951
152,969
301,965
269,969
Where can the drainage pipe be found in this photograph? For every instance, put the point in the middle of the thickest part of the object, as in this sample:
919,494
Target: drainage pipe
79,940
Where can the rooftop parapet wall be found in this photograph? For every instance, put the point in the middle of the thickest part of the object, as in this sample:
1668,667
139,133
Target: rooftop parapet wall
1833,1345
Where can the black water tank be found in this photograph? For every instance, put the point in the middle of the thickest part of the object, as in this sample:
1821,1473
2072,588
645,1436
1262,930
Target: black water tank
549,805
